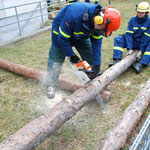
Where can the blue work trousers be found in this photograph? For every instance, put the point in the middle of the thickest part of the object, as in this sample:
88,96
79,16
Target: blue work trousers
56,59
120,44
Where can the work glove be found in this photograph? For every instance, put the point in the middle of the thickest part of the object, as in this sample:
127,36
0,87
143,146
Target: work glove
130,51
96,69
74,59
139,55
94,72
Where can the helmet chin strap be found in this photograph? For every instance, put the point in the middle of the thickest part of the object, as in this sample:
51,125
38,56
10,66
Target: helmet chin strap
108,21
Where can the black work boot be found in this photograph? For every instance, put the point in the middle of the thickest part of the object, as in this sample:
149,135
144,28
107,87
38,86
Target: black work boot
138,67
113,63
50,92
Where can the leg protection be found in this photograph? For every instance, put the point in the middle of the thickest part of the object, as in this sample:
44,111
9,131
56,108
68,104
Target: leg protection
85,50
119,44
146,57
55,61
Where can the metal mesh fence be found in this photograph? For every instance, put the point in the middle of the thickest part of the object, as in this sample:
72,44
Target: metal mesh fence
142,141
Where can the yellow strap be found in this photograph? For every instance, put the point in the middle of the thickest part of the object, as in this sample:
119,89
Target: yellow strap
130,31
55,32
64,34
97,37
77,33
147,34
146,53
135,28
118,48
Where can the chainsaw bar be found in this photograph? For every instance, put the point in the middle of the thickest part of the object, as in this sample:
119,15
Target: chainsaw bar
81,75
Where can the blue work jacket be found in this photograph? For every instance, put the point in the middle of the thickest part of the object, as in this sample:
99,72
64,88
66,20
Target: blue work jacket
69,28
138,33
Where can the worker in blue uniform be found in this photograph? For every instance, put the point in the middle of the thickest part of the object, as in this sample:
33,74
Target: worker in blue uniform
72,1
48,5
137,37
88,1
81,25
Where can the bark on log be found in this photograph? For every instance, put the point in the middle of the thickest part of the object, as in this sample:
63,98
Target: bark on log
39,75
117,136
41,128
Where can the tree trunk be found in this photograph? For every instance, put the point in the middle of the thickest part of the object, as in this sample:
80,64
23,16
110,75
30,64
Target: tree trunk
41,128
117,136
39,75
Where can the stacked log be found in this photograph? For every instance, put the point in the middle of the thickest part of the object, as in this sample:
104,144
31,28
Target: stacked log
42,127
117,136
63,84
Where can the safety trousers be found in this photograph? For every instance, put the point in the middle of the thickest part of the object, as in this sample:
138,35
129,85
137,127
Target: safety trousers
56,59
120,44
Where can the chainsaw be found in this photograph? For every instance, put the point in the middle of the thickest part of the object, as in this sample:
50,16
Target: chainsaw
81,70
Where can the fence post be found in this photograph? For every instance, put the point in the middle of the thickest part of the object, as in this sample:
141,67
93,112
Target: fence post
18,21
41,15
60,4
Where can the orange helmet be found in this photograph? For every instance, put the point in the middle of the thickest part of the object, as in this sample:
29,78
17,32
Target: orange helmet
112,20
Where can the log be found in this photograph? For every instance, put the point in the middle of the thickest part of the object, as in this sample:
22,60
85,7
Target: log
39,75
42,127
116,138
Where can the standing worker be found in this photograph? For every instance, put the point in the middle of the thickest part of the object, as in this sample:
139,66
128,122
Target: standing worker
88,1
48,5
81,25
72,1
137,37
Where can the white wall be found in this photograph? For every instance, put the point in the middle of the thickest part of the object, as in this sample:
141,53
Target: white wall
8,16
2,12
22,9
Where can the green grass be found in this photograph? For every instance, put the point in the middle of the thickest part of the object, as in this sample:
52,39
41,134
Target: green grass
23,99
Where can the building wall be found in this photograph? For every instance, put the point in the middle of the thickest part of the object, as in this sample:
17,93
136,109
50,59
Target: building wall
2,12
9,16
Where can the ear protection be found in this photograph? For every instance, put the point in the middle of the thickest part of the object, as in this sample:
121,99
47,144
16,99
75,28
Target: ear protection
98,19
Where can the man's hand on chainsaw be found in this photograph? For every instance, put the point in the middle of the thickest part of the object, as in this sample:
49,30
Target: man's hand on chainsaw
94,72
74,59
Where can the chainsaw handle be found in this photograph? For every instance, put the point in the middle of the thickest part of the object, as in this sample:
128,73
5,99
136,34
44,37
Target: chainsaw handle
74,59
84,65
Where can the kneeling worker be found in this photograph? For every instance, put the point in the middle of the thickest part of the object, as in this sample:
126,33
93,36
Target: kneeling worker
137,37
